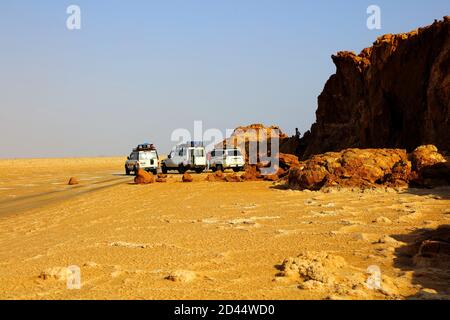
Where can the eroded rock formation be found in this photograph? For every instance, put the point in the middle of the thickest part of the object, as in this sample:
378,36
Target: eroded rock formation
395,94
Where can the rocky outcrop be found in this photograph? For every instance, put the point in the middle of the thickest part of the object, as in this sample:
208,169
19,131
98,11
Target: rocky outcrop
362,168
368,168
254,141
395,94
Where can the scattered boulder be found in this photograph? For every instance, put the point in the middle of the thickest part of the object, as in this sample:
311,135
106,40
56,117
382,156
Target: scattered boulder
187,177
430,168
425,156
144,177
161,180
232,178
251,173
73,181
162,176
216,177
219,174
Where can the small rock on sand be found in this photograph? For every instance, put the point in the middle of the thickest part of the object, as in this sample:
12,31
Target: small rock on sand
232,178
181,276
144,177
58,273
187,178
387,239
73,181
383,220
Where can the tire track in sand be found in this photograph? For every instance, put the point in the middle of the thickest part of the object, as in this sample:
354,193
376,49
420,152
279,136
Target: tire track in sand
21,204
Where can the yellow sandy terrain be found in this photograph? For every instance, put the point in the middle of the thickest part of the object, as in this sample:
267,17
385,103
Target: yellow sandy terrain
204,240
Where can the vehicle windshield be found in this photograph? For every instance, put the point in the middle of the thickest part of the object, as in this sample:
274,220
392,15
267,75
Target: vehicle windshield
147,155
234,153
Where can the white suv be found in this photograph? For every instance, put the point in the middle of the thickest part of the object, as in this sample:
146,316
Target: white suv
143,157
222,159
189,156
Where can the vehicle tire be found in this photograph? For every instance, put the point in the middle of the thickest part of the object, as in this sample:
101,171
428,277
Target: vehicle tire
127,171
236,169
219,167
213,169
181,169
164,169
199,170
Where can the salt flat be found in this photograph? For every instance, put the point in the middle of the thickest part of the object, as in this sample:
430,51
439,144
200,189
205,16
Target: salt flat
205,240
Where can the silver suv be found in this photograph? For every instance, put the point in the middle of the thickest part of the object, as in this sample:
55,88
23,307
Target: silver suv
222,159
143,157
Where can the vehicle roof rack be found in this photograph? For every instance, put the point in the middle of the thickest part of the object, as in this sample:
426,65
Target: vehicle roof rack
145,147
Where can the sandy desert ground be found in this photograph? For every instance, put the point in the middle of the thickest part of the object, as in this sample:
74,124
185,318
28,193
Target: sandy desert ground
205,240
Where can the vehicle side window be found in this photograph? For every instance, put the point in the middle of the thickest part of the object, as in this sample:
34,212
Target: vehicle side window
199,153
213,154
181,152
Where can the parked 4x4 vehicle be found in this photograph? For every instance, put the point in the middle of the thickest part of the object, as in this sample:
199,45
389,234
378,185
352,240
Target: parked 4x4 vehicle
222,159
188,156
143,157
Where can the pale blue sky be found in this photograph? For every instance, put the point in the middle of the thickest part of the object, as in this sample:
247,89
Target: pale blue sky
140,69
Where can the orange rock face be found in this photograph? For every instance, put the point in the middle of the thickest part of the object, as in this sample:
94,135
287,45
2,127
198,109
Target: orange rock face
144,177
395,94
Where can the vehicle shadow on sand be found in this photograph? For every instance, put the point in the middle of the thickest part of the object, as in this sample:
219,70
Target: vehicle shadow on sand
426,254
